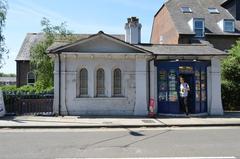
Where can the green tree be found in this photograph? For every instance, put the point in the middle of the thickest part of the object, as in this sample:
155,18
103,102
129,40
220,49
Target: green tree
40,61
3,12
231,79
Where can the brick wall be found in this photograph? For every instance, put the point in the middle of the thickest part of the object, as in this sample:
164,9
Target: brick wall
23,67
164,26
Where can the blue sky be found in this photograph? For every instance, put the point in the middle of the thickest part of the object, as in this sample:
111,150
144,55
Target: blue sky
81,16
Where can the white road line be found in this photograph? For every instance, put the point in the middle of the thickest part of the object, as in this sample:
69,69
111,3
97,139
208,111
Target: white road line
162,158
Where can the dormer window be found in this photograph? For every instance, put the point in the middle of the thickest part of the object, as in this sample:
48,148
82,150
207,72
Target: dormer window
186,9
199,27
213,10
228,26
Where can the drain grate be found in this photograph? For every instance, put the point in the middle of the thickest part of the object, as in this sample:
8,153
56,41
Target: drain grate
148,121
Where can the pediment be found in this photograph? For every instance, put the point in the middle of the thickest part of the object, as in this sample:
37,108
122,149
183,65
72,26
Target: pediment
100,43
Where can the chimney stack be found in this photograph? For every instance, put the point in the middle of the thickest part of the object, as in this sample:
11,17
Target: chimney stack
133,31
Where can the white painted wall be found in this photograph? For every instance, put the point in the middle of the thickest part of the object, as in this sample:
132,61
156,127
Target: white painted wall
133,70
214,88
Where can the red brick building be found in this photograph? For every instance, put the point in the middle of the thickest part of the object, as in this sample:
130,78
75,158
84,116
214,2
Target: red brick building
197,21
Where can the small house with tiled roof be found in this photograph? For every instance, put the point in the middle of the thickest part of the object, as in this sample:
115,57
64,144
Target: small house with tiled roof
104,75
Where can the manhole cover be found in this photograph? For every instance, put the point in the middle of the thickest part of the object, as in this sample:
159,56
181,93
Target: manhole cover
148,121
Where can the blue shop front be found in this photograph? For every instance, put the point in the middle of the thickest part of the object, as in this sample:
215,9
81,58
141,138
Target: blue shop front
198,64
168,74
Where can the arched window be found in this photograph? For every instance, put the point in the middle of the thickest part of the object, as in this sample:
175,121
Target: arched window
83,82
117,82
30,78
100,83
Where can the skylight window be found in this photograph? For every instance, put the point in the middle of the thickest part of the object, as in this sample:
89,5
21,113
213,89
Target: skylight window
213,10
186,9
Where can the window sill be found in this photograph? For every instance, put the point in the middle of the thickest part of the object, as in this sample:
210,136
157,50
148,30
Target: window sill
100,98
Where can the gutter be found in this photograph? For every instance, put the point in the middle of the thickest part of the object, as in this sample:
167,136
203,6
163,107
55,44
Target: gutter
149,77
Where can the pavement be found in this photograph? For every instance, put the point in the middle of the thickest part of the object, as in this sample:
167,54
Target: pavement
229,119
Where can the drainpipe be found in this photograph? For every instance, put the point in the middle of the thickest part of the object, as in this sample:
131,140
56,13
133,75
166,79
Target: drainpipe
149,78
59,86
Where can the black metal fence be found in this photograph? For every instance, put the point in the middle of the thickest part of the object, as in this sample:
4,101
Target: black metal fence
22,104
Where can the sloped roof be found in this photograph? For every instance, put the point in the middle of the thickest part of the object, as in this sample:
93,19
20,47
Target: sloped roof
73,47
200,10
32,39
182,50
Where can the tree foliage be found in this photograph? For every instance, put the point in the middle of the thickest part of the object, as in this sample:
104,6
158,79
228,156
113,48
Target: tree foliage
3,13
41,63
231,79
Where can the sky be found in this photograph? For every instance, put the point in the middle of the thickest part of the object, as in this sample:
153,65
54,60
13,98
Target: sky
81,16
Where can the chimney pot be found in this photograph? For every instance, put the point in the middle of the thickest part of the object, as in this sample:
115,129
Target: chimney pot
133,30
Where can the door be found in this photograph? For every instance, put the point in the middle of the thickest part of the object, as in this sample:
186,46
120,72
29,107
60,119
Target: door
189,79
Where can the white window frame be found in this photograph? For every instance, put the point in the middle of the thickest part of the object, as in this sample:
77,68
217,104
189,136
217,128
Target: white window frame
203,28
233,25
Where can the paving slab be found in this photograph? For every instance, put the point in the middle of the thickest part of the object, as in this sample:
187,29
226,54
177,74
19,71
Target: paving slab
87,122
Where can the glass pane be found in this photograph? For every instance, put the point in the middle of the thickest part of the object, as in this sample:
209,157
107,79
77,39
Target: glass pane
204,98
173,96
83,82
228,26
163,96
172,85
186,10
163,90
163,75
199,32
199,24
117,82
100,83
197,96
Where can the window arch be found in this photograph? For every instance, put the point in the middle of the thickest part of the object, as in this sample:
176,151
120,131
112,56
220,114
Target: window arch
31,78
117,82
100,83
83,82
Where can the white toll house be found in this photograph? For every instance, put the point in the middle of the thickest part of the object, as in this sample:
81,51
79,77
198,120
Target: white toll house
106,75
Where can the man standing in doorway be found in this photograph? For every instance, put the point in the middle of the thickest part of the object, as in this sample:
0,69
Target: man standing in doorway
184,89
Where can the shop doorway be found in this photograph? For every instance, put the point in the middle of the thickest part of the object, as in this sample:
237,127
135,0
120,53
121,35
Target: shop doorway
189,79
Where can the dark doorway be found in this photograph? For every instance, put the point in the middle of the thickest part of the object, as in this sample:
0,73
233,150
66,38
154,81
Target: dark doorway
189,79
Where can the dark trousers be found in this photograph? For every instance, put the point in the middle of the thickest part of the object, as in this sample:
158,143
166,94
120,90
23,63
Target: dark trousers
184,104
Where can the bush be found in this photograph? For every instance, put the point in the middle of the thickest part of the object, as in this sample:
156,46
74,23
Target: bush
230,96
231,78
26,90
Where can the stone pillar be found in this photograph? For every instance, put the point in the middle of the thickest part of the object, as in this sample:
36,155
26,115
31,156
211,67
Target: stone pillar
141,88
56,86
64,110
108,82
215,107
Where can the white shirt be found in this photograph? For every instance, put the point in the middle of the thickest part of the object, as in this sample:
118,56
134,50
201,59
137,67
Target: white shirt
184,87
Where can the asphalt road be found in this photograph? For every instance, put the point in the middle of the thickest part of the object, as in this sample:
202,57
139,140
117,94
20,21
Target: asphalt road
116,143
